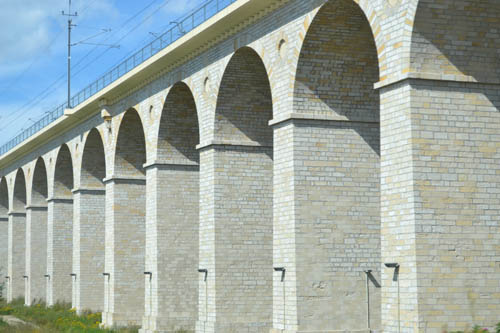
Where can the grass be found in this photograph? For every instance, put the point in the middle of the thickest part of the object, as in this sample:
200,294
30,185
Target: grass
57,318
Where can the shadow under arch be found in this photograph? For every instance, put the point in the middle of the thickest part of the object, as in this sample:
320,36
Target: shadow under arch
244,104
4,198
93,167
63,174
130,152
179,127
338,66
39,190
458,37
19,197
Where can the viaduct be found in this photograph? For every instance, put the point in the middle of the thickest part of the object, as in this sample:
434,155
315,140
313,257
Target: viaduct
285,166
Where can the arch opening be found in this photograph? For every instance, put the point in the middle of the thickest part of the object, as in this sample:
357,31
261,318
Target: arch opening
4,197
19,198
179,130
63,176
39,192
337,178
131,146
244,105
93,162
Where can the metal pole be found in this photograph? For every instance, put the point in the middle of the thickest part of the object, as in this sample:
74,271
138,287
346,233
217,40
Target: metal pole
69,60
70,25
368,272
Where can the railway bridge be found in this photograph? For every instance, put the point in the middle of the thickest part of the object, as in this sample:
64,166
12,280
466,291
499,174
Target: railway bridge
281,166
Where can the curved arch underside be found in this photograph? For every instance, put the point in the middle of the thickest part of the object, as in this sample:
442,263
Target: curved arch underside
457,37
338,65
39,191
63,176
244,104
130,153
179,131
4,197
19,199
93,169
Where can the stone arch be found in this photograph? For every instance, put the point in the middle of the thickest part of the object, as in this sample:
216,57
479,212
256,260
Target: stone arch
17,238
244,104
4,197
172,216
178,133
36,234
125,225
335,214
93,163
237,169
39,187
88,225
338,65
457,39
63,174
60,229
19,193
130,152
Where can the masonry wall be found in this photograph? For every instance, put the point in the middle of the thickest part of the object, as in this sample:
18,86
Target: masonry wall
36,253
4,247
88,249
59,247
456,154
17,256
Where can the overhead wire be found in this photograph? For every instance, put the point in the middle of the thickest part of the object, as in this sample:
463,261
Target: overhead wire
41,96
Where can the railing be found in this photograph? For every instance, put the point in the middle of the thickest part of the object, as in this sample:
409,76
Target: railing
183,26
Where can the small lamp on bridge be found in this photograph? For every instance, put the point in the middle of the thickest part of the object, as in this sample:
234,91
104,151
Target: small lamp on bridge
282,270
205,271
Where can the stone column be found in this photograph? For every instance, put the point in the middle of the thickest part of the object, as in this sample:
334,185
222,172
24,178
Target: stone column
326,224
88,249
36,253
59,249
172,228
4,250
440,204
235,238
124,253
17,256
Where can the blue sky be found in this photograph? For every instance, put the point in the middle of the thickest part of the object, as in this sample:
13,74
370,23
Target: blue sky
33,35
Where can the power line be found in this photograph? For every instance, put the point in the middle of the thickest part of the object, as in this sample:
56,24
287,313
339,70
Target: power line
42,95
123,37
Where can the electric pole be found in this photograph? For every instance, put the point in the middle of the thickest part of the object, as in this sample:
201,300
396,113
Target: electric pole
70,16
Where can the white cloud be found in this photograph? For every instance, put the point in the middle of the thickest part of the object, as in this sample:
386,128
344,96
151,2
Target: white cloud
28,27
